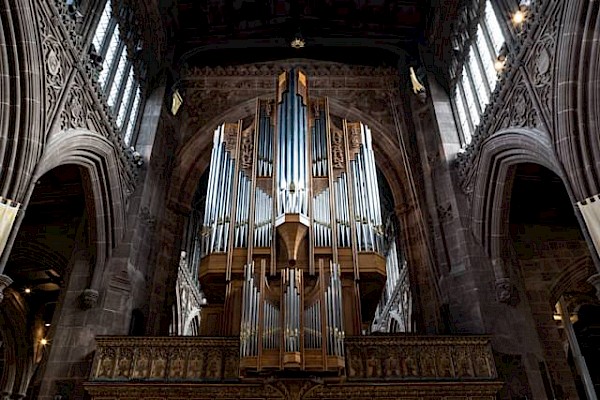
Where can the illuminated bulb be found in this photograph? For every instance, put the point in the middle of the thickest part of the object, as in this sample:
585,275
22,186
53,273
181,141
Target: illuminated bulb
46,324
499,64
27,290
519,17
44,341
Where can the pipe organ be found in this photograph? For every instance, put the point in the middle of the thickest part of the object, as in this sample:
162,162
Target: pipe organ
292,239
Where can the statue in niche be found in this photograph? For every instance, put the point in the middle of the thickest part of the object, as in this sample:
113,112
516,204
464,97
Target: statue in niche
355,368
213,367
464,366
194,367
371,362
445,365
141,367
158,368
123,367
427,365
231,370
481,365
411,366
177,367
105,369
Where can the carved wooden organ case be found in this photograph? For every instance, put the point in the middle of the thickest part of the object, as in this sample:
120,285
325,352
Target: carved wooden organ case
292,244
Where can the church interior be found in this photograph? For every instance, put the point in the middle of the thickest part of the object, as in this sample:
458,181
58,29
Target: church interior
299,199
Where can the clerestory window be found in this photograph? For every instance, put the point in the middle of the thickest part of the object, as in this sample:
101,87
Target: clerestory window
117,77
477,80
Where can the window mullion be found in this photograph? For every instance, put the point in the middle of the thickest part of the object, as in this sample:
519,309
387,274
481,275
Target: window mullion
122,86
479,62
476,95
129,106
110,31
461,92
113,68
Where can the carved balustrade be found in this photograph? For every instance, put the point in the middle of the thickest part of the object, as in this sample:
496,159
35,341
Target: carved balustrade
409,357
165,359
368,358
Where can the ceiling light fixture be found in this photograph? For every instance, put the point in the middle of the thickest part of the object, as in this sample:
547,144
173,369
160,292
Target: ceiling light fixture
27,290
298,43
43,341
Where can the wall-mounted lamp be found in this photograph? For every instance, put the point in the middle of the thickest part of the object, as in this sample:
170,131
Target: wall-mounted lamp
500,62
44,341
521,14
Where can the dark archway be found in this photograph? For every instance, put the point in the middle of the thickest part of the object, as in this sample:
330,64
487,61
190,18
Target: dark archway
54,229
544,240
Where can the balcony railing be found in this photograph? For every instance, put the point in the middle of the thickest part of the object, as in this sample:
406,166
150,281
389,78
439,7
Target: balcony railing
166,359
408,357
368,358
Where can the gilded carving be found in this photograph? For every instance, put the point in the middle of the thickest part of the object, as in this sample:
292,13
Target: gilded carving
247,147
337,147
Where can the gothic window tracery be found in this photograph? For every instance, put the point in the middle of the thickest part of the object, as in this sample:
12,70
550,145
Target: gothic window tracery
478,76
117,78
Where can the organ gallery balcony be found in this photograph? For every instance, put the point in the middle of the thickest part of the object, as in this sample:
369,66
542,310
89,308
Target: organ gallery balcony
375,367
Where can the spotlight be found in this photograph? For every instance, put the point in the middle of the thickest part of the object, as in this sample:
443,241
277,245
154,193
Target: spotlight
27,290
43,341
518,17
499,64
47,324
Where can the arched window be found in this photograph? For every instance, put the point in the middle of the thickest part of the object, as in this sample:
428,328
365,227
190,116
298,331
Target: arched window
477,80
117,77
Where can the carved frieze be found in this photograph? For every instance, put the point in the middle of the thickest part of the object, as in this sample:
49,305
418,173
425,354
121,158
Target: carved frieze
165,359
414,357
213,91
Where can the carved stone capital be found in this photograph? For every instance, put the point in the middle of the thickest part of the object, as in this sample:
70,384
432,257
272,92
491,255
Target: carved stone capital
594,280
89,298
5,282
503,290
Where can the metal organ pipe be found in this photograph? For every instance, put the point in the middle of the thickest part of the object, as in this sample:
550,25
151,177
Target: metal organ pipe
291,179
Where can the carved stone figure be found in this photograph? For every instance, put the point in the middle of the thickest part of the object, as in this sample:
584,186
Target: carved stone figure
503,290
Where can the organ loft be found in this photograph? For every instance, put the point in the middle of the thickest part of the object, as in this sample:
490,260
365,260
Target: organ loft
293,248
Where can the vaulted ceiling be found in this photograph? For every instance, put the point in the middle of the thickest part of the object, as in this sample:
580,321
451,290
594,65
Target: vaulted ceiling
348,30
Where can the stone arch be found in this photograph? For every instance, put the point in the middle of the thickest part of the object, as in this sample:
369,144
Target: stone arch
578,97
22,351
498,155
22,87
98,157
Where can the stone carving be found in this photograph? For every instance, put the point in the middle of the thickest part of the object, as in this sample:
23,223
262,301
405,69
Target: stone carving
55,69
504,290
213,91
88,299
